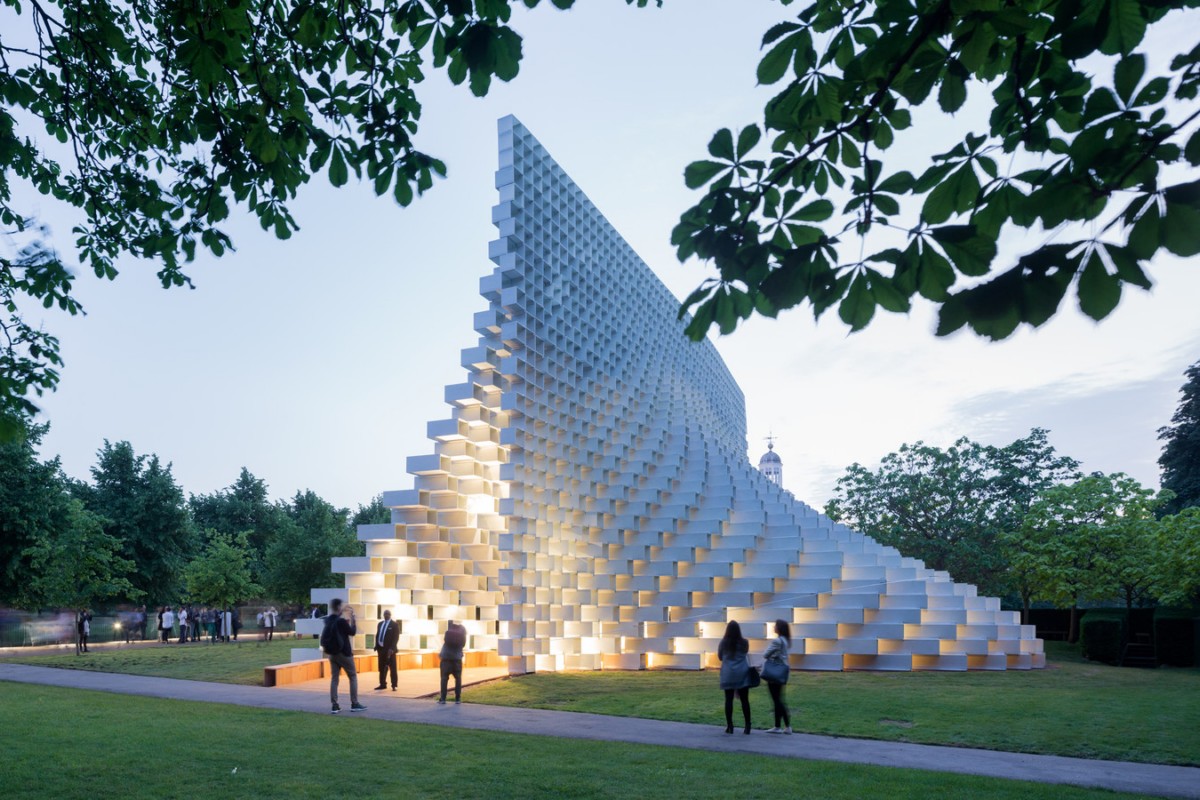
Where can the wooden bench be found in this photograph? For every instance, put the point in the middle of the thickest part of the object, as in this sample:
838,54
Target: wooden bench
301,671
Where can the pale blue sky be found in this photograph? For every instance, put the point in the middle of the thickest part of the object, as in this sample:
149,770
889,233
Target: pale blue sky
317,362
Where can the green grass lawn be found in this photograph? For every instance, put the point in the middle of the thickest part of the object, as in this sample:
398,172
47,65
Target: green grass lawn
1074,708
226,662
80,744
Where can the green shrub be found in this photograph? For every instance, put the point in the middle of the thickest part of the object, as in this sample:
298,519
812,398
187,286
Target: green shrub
1175,637
1102,635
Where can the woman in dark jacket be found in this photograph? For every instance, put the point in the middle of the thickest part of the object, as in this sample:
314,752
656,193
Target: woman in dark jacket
775,673
735,673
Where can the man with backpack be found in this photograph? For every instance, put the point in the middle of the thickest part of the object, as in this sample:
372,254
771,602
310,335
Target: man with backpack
335,642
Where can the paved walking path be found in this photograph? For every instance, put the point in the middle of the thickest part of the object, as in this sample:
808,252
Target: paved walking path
1151,779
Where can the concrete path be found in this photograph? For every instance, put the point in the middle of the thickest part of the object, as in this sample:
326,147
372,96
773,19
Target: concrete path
1150,779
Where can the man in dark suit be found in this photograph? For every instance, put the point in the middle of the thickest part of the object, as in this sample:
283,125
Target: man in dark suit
386,638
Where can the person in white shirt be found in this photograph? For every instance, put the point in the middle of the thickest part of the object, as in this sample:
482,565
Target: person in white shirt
183,625
168,622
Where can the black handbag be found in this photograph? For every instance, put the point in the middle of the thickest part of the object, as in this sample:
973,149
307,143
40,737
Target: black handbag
753,679
775,671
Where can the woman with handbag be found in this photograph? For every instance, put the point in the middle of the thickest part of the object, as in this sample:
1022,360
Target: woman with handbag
736,675
775,672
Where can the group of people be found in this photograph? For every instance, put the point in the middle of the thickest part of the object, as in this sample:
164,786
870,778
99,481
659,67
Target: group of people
738,677
133,623
341,626
218,625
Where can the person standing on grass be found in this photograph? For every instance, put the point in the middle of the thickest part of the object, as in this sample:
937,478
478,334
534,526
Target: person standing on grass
83,626
141,620
167,623
335,641
183,624
775,673
270,619
735,673
387,636
451,658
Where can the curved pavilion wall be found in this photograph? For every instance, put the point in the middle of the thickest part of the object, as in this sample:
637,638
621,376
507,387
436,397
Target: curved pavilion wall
589,504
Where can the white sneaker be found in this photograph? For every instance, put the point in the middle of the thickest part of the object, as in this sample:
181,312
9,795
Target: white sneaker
776,730
788,731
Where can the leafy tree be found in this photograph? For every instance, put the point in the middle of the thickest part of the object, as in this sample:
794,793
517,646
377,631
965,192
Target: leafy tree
53,552
1175,577
1085,539
168,114
243,507
77,564
144,510
1078,150
32,497
374,513
298,558
947,507
220,575
1180,459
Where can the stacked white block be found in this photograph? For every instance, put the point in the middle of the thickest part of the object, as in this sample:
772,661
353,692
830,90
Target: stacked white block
589,503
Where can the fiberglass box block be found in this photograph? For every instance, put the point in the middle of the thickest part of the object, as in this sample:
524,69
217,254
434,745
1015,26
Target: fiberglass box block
896,662
987,662
826,662
350,564
1020,661
384,530
940,663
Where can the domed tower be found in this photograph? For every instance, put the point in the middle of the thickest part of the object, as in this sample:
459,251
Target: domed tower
771,465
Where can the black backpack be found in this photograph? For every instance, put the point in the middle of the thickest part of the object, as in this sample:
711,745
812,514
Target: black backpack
331,637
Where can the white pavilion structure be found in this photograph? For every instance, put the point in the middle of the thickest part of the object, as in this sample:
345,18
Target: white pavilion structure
588,503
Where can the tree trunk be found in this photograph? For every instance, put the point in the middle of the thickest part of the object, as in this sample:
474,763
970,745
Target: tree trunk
1073,632
1025,598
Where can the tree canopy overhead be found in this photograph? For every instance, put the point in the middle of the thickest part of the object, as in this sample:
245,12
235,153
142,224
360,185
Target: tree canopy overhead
157,119
160,120
1087,149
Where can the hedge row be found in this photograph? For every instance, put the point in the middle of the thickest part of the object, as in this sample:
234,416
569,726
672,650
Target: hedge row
1104,632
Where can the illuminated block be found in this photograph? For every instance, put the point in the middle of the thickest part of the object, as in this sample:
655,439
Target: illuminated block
987,662
954,662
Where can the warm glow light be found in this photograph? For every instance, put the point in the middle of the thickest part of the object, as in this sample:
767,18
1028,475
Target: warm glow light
481,504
